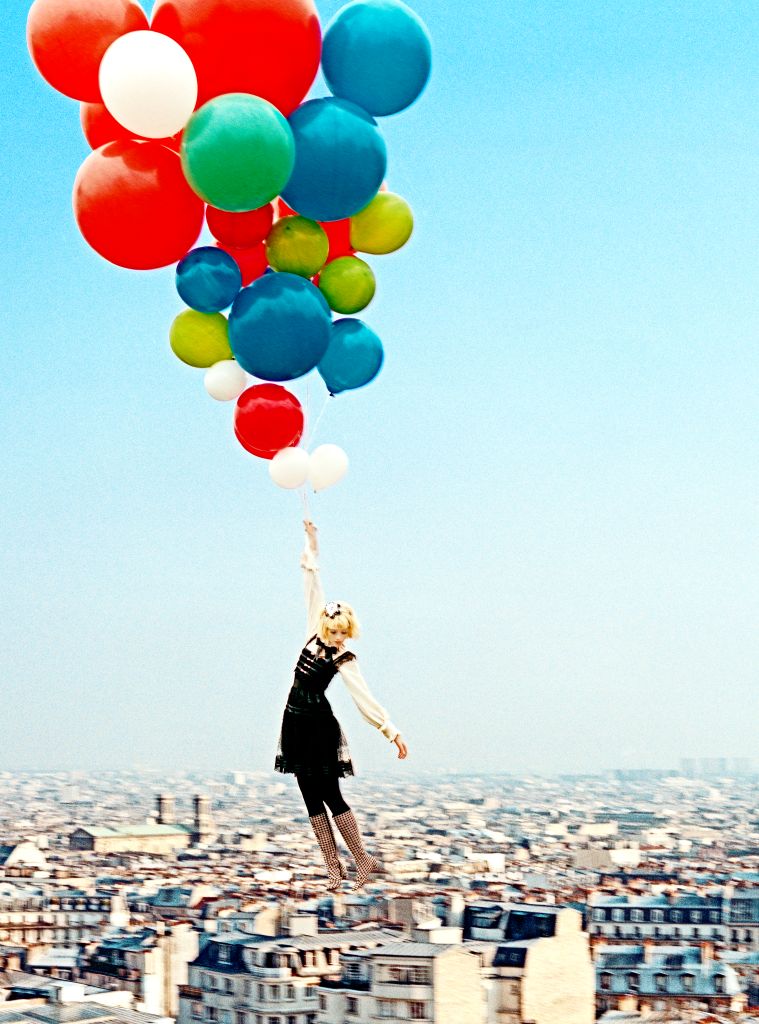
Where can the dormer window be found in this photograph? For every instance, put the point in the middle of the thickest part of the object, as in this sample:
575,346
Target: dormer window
687,982
224,953
719,982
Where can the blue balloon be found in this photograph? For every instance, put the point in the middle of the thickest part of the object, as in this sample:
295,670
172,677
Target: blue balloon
354,356
279,327
377,53
208,279
340,160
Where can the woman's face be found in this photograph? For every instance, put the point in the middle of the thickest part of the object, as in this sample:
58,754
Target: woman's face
336,637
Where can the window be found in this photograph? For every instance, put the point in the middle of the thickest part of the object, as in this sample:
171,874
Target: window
747,935
322,1002
636,915
241,1018
695,933
637,932
719,982
246,987
228,985
716,935
274,993
606,982
226,1017
310,992
657,933
418,1011
695,916
734,935
676,933
599,915
224,953
657,915
687,982
617,914
386,1008
261,994
633,982
660,981
273,1020
352,1006
290,1019
676,915
714,916
211,1013
197,1010
290,992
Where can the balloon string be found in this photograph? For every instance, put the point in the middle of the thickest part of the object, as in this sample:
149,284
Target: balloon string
312,432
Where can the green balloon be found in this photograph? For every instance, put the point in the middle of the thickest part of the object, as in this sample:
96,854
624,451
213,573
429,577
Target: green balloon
200,339
237,152
383,226
297,245
347,284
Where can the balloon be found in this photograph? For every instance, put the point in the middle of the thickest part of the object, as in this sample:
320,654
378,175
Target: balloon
208,279
67,40
347,284
200,339
377,54
354,356
225,380
297,245
289,468
270,48
99,128
279,327
134,207
283,210
148,84
237,152
268,418
340,160
252,262
240,230
383,226
328,464
339,234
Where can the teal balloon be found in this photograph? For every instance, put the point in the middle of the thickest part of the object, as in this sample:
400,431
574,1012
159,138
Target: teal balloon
279,327
208,279
377,53
340,160
237,152
354,357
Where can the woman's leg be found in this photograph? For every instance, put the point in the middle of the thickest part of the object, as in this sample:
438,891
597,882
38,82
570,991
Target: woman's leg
311,790
332,796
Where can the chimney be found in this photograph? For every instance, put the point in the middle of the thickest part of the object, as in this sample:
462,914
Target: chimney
165,804
648,949
707,952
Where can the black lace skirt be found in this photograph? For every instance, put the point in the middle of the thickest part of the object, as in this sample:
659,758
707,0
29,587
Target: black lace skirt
312,742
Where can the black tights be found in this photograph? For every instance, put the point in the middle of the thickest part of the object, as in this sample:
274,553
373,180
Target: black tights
319,790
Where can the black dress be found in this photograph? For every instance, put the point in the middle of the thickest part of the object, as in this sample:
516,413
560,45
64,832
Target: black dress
311,741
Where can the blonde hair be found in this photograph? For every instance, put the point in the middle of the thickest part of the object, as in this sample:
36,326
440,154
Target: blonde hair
345,621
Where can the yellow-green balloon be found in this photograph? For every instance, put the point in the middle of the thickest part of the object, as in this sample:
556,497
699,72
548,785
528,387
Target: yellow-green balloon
383,226
297,245
347,284
200,339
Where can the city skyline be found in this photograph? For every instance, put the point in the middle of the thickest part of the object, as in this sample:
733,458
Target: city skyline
549,528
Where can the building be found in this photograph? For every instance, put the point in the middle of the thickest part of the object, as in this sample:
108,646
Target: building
162,836
69,917
402,981
150,963
21,859
729,917
648,977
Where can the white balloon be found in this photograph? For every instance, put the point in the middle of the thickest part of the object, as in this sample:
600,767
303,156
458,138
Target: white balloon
289,467
327,465
225,380
148,84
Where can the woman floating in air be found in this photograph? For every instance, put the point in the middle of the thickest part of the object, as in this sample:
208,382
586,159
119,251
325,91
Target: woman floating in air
312,745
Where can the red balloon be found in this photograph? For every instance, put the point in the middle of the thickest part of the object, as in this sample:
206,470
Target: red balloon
270,48
134,206
100,127
252,262
283,210
268,418
67,40
240,230
339,235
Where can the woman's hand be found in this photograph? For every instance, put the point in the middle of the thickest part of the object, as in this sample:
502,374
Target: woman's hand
402,748
312,532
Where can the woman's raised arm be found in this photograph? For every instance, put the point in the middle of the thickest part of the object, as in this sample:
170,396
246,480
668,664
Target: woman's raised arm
312,585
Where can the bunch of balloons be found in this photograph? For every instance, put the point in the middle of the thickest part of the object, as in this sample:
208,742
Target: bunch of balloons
200,118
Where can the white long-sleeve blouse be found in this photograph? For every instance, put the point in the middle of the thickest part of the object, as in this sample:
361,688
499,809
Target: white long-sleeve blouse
370,708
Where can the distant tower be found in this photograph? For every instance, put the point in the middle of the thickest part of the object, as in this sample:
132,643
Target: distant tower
165,804
203,827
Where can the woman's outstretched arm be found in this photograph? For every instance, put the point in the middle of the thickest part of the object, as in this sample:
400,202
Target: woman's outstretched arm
370,708
312,585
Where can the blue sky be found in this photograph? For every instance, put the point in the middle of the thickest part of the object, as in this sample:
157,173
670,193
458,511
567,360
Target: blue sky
550,525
